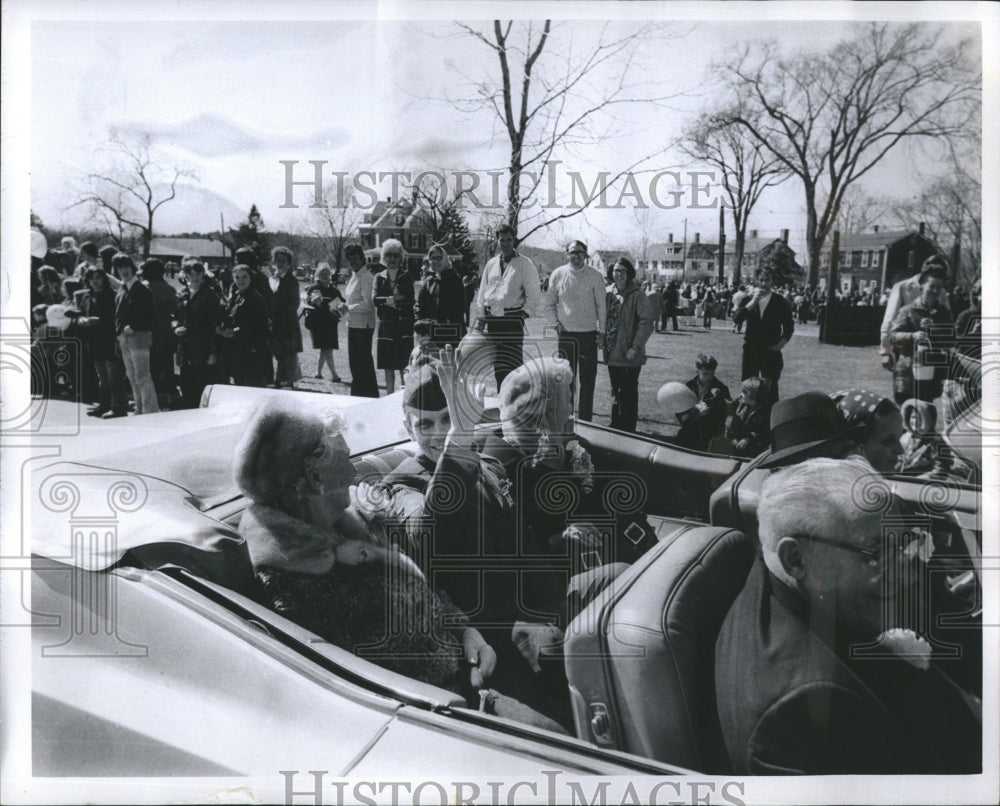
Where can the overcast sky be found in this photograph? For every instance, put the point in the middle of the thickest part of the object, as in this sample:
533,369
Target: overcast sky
229,98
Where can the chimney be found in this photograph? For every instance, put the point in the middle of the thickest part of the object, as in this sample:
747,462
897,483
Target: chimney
388,199
670,237
876,228
921,228
697,237
784,237
753,234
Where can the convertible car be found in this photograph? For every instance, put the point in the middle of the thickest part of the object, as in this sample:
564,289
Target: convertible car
152,657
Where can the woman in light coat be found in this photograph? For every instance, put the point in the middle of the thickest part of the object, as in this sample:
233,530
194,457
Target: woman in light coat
630,321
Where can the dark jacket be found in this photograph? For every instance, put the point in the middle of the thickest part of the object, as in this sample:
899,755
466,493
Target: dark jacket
199,313
286,334
442,299
134,308
164,303
764,332
100,336
463,504
394,322
546,507
792,700
320,321
247,316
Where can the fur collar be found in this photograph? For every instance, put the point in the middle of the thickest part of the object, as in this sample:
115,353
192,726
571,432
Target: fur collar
281,541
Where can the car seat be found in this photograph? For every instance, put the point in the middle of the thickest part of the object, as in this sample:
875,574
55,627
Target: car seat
640,657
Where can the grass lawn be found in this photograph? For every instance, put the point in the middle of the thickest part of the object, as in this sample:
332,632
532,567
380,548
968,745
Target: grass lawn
809,366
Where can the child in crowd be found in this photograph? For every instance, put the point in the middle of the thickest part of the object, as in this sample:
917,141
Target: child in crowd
749,429
924,451
424,348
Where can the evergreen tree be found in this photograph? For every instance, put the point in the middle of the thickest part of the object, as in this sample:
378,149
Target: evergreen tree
252,233
453,231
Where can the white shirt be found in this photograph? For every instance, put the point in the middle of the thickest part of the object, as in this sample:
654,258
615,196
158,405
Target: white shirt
515,285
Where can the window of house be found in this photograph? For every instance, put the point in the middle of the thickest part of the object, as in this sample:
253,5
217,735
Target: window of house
824,260
399,219
414,241
864,260
875,259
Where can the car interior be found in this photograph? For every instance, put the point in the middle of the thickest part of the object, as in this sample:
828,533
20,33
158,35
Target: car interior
639,659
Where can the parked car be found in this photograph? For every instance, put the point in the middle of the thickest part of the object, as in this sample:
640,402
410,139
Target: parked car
152,657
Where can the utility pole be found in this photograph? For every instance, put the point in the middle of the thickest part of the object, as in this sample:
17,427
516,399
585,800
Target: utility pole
722,244
222,234
684,253
831,287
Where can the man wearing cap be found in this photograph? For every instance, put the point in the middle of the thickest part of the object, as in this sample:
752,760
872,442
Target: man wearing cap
575,304
360,323
770,325
812,675
455,512
509,292
134,320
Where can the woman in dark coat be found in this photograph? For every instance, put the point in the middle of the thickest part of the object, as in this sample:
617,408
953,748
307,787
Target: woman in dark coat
97,320
442,300
322,320
245,328
197,332
286,333
393,296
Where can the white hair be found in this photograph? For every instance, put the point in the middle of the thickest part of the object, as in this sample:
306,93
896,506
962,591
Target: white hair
391,245
821,497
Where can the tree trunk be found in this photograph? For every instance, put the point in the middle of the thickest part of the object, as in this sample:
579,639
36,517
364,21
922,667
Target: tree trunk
812,247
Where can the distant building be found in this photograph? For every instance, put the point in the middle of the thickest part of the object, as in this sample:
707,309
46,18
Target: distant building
877,260
407,222
214,254
604,259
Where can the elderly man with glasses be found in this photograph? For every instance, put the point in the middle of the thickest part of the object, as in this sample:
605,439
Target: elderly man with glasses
813,674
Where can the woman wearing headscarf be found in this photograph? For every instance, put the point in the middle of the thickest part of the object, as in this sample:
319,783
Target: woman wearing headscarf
442,300
320,553
879,440
631,318
393,297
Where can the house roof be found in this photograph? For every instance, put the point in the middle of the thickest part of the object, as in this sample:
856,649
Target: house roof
178,247
607,255
872,240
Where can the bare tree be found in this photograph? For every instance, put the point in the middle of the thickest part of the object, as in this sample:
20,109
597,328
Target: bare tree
745,166
335,226
951,206
829,118
132,185
551,97
859,211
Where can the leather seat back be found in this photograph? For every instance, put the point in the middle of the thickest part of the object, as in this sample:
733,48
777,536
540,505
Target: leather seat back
373,467
640,658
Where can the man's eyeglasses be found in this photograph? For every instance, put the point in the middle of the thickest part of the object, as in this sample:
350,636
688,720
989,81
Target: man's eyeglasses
899,547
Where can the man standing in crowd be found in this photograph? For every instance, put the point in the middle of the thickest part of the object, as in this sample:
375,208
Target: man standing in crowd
810,679
738,297
245,256
575,303
161,353
360,323
769,327
508,294
198,315
134,328
904,293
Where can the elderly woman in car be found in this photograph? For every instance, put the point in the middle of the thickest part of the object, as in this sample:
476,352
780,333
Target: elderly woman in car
320,555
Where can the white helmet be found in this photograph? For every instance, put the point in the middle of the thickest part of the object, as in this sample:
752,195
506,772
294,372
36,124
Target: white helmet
676,397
